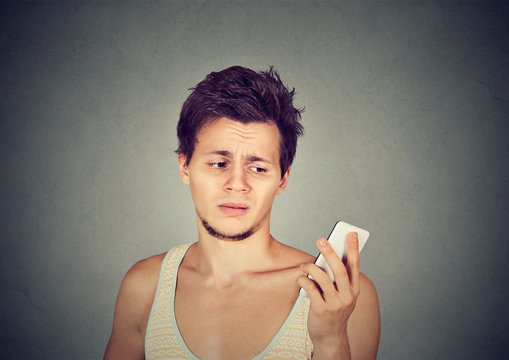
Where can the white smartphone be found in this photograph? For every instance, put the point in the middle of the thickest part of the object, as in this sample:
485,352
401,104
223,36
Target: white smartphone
337,239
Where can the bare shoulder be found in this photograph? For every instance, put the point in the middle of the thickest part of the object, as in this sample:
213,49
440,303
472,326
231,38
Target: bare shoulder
364,322
143,276
294,256
132,309
140,282
137,290
368,289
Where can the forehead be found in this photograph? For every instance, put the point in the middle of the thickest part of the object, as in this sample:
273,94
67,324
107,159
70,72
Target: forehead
230,134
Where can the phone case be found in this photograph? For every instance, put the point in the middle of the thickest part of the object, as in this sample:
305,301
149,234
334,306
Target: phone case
337,239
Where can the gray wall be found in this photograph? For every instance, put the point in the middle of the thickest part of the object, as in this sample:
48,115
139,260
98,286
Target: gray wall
406,125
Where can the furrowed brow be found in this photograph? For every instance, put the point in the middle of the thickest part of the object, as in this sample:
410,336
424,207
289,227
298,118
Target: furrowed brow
253,158
228,154
221,153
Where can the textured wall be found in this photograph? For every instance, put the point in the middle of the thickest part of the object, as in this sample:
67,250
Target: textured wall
406,135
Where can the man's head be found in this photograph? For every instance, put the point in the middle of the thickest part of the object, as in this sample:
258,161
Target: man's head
246,96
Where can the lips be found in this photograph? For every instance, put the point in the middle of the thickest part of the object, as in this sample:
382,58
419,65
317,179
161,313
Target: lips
234,209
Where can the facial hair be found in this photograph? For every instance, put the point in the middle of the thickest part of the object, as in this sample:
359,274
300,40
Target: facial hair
222,236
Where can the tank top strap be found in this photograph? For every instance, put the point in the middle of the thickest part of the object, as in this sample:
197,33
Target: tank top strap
294,342
161,340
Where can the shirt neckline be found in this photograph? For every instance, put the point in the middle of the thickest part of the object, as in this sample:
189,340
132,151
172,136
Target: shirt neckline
179,337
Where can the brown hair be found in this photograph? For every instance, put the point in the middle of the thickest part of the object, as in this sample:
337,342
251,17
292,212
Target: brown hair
246,96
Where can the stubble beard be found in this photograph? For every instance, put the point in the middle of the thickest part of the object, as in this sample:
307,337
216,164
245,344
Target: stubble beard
222,236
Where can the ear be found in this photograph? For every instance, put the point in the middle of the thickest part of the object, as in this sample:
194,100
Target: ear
183,169
284,181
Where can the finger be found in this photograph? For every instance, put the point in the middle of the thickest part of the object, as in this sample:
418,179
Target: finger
314,293
353,262
322,281
335,263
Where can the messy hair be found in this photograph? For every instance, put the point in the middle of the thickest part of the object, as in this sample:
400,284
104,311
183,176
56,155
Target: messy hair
246,96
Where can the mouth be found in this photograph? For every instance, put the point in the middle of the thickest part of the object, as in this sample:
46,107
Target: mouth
234,209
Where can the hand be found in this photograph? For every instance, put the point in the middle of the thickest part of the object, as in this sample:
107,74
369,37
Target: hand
332,302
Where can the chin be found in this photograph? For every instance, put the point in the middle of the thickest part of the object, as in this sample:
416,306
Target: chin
228,235
221,233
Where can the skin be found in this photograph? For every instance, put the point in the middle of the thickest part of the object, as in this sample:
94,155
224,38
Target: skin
236,288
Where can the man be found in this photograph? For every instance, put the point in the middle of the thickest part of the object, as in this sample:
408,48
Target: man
237,294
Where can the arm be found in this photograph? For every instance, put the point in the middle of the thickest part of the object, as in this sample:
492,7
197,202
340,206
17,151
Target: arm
364,323
134,300
342,323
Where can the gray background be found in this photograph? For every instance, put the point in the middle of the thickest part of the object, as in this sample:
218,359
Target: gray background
406,125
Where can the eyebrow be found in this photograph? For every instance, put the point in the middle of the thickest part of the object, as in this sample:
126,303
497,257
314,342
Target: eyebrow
228,154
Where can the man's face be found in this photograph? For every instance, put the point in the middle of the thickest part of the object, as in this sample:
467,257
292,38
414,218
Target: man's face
234,175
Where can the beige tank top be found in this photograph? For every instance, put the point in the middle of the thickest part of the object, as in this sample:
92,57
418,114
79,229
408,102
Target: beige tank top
163,339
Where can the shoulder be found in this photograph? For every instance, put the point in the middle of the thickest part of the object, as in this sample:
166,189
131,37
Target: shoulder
368,289
139,284
141,279
293,256
364,323
145,268
367,308
132,309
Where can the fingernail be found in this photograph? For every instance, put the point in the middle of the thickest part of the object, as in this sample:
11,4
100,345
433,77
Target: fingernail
355,237
322,243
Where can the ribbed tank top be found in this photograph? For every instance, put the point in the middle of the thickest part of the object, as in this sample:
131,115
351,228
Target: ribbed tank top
164,341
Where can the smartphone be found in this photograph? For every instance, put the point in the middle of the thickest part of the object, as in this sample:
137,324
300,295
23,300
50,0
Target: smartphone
337,239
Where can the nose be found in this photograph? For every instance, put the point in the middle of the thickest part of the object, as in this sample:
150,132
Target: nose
236,180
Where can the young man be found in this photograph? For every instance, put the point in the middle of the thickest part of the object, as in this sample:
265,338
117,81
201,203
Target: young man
237,294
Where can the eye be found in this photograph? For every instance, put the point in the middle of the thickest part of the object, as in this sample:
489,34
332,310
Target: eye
258,170
218,165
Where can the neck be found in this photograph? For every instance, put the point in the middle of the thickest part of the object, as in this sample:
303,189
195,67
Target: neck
223,262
